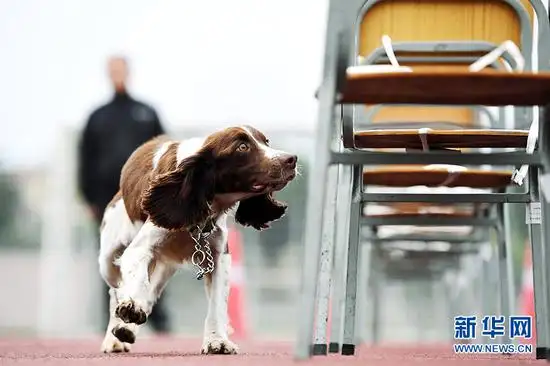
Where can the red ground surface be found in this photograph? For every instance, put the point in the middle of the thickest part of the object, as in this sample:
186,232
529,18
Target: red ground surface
171,351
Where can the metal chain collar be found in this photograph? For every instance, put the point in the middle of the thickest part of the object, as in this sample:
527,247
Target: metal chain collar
202,257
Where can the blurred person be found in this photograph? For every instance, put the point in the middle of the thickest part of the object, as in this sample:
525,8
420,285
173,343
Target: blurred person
113,131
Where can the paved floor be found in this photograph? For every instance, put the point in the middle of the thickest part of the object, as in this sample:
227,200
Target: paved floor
173,351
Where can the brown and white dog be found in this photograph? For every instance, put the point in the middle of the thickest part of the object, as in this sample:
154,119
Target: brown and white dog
167,188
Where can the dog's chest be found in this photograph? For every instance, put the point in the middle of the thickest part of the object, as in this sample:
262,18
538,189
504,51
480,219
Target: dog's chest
178,246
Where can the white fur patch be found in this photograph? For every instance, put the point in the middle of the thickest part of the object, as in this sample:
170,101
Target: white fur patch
160,152
187,148
269,152
221,305
118,230
118,226
134,264
216,322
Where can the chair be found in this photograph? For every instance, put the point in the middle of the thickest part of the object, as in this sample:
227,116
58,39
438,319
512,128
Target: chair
339,87
410,139
448,120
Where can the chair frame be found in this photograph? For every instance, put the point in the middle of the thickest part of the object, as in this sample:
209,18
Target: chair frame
324,293
337,57
507,283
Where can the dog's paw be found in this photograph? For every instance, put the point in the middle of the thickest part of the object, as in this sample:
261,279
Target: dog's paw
112,345
218,346
124,334
130,312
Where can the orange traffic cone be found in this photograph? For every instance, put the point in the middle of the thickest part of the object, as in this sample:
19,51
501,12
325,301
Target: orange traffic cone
527,296
235,306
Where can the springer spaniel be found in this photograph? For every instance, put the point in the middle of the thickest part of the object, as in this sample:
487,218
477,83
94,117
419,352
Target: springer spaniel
169,191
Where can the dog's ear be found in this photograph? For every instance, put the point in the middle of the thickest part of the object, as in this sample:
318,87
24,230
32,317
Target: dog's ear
259,211
181,199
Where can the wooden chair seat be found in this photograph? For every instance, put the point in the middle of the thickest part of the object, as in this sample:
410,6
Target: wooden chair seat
406,215
422,255
435,176
427,206
485,87
415,209
412,272
437,139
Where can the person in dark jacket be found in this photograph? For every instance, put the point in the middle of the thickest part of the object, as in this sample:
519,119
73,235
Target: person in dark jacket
112,132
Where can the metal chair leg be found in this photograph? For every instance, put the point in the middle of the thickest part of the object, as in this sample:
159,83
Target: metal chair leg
317,192
339,263
508,216
544,149
538,252
448,301
374,294
325,280
505,272
545,240
362,285
348,346
486,283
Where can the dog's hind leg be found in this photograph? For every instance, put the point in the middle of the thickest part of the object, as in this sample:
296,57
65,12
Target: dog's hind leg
117,232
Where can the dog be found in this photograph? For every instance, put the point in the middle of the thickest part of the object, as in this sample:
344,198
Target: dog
171,193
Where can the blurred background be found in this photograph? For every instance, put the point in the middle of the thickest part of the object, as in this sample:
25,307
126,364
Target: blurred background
202,66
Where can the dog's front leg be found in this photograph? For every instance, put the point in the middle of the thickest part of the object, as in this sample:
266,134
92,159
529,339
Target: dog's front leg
216,339
135,294
119,335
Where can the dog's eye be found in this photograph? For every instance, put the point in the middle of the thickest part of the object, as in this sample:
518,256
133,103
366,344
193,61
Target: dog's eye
243,147
267,142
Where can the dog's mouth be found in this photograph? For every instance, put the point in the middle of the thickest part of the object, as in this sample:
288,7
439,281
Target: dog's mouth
275,185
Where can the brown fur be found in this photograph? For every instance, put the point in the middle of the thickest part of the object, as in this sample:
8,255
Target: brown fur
138,171
181,197
260,210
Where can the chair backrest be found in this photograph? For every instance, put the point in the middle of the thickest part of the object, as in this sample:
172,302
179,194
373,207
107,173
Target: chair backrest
492,21
435,21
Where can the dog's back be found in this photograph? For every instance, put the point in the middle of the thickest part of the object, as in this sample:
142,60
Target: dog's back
123,216
136,173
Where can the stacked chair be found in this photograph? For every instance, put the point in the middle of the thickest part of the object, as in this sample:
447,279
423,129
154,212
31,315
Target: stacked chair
414,130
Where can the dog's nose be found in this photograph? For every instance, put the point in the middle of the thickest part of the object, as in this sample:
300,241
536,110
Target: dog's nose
289,160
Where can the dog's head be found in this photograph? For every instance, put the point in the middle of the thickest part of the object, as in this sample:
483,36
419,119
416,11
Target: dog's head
235,164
